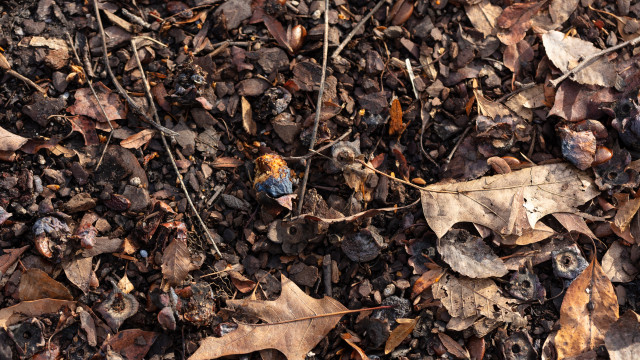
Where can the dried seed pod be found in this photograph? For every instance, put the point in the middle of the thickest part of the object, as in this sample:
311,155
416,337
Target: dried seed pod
499,165
404,9
296,39
117,307
199,308
525,285
568,263
518,347
46,230
603,154
363,246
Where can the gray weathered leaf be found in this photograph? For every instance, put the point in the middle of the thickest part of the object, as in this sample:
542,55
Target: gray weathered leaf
469,255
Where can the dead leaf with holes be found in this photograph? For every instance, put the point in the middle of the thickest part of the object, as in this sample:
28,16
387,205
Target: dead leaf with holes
282,330
475,302
589,308
483,16
469,255
489,201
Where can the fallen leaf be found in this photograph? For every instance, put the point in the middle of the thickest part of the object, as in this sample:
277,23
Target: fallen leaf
247,117
176,262
131,344
589,308
10,141
125,284
26,309
483,16
573,222
86,104
515,20
515,55
566,52
288,327
470,300
625,213
622,338
561,10
617,263
453,347
277,31
10,256
574,102
404,328
349,339
36,284
547,189
86,127
78,271
426,280
241,283
396,127
226,162
468,255
138,139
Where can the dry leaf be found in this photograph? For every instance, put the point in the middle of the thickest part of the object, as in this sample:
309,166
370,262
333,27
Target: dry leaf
78,271
247,117
617,263
546,189
589,308
453,347
86,104
573,222
515,20
483,16
561,10
277,31
125,284
349,339
622,338
426,280
404,328
294,339
226,162
396,127
490,108
574,102
469,255
176,262
26,309
625,214
36,284
566,52
86,127
131,344
10,141
138,139
469,300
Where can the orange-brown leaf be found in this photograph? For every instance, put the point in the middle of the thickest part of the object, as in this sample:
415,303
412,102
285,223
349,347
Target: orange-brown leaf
426,280
138,139
404,328
589,308
348,338
396,127
453,347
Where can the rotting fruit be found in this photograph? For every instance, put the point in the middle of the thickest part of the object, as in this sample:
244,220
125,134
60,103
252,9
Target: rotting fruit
273,176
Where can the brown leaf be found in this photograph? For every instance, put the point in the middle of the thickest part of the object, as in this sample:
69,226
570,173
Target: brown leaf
617,263
86,127
26,309
138,139
426,280
404,328
515,20
573,222
589,308
78,271
515,55
483,16
35,284
10,141
566,52
488,201
453,347
132,344
349,339
247,117
469,255
396,127
294,339
277,31
226,162
10,256
622,338
625,213
86,104
241,283
176,262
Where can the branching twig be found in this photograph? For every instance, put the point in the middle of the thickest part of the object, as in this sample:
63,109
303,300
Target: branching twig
314,132
95,95
134,107
19,76
591,58
453,151
315,152
356,28
152,105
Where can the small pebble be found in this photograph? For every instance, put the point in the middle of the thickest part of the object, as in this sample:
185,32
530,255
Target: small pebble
389,290
316,14
135,181
144,253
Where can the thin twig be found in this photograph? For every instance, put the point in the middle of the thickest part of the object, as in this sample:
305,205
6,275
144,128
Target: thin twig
516,91
455,148
591,58
315,152
355,29
340,313
424,112
134,107
316,122
152,105
17,75
95,95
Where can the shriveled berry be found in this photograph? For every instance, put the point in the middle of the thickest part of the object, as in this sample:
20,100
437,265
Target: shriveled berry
118,203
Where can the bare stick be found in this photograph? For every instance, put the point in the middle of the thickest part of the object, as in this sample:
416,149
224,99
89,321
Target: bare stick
355,29
152,105
455,148
17,75
134,107
591,58
315,152
95,95
316,122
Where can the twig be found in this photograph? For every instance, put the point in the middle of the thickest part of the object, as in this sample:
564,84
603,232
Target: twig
95,95
134,107
517,91
355,29
327,274
424,113
17,75
315,152
152,105
316,122
324,315
591,58
448,159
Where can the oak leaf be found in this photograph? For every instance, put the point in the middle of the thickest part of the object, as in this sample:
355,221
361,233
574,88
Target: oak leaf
489,201
294,324
589,308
